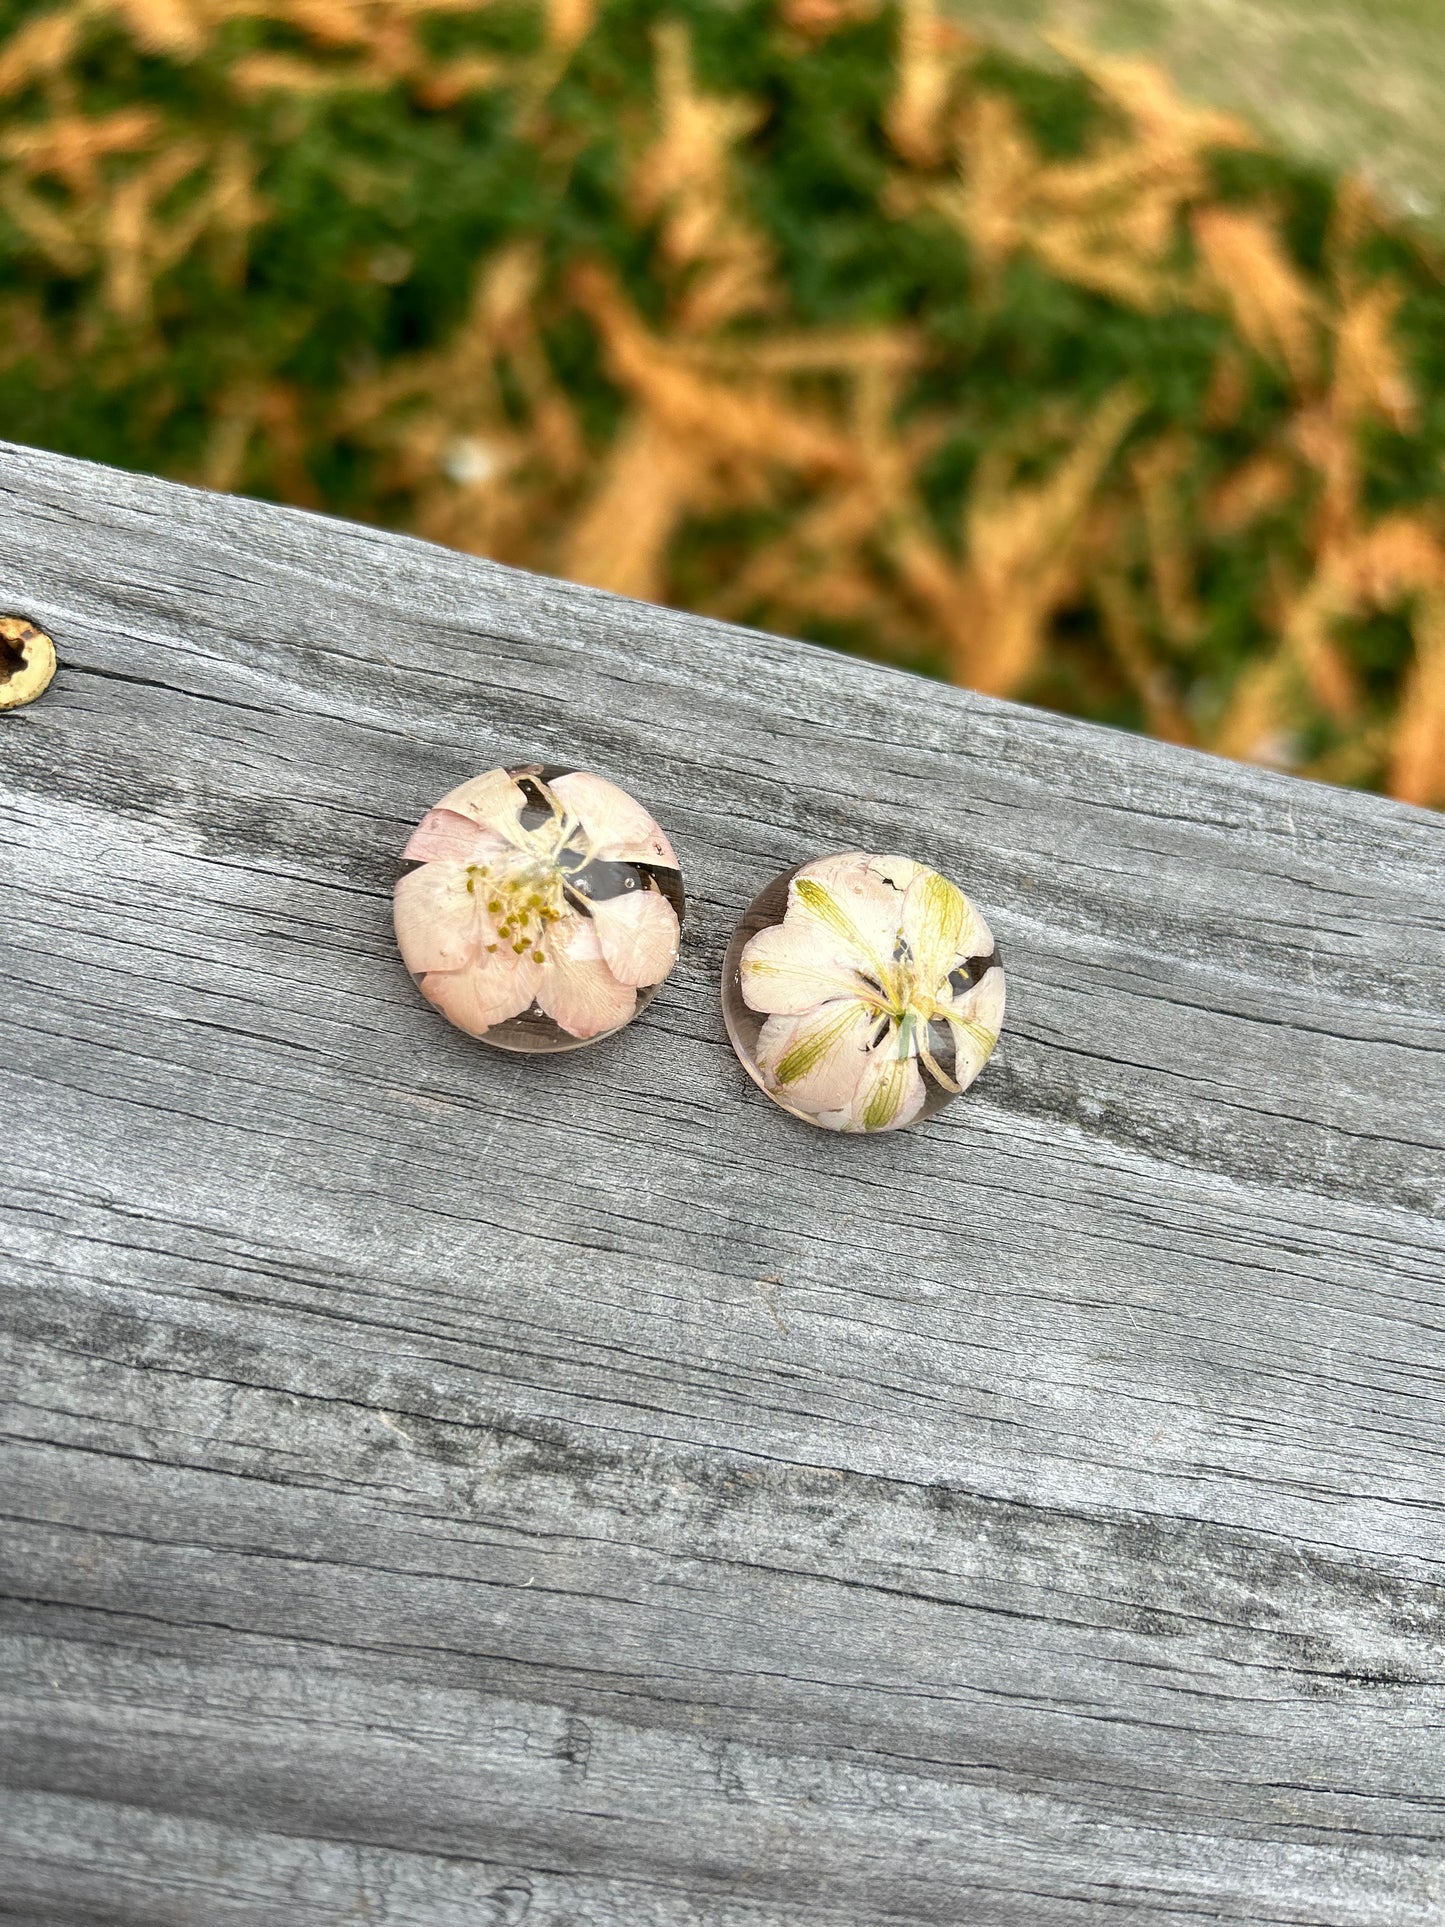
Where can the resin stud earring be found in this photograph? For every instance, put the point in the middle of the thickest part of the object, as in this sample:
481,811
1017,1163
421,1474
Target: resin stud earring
863,993
542,909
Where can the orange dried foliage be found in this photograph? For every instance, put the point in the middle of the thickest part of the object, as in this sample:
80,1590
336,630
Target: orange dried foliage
1109,221
1127,635
70,146
1399,562
1159,470
133,222
448,442
40,50
383,41
1025,546
1417,754
1275,310
723,268
817,19
932,54
171,26
569,22
1263,485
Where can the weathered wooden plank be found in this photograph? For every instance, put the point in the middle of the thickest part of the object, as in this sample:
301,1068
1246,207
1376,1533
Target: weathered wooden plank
446,1488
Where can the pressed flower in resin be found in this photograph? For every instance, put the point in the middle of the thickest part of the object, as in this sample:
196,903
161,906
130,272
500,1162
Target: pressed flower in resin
544,909
863,992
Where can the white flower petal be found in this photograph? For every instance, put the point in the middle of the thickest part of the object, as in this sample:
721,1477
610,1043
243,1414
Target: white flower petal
899,871
975,1018
638,934
890,1092
794,965
502,985
576,987
616,825
857,904
975,939
815,1058
440,924
935,916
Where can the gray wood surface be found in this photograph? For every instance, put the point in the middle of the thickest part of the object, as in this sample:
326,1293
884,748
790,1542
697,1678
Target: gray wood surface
447,1490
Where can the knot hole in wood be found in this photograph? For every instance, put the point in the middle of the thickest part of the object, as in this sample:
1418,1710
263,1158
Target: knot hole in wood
27,662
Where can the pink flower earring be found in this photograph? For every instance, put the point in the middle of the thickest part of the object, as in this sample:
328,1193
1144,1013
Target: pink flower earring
863,993
543,910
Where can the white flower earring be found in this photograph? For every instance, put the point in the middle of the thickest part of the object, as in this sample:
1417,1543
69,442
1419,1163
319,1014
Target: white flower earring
863,993
542,910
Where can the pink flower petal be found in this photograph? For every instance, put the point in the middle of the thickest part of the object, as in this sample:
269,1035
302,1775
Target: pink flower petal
576,987
795,965
448,836
493,800
815,1058
616,824
439,922
487,993
638,934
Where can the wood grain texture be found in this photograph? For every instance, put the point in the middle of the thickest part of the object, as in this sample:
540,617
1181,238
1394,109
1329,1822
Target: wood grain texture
448,1490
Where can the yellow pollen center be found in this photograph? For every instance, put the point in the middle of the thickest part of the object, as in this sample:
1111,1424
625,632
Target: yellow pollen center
522,906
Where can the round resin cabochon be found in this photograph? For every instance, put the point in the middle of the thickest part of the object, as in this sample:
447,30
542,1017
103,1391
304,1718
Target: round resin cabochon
543,907
863,993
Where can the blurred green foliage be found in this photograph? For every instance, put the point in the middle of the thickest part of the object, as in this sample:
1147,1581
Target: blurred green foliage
239,243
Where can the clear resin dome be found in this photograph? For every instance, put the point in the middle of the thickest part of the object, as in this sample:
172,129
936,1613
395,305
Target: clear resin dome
542,908
863,993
